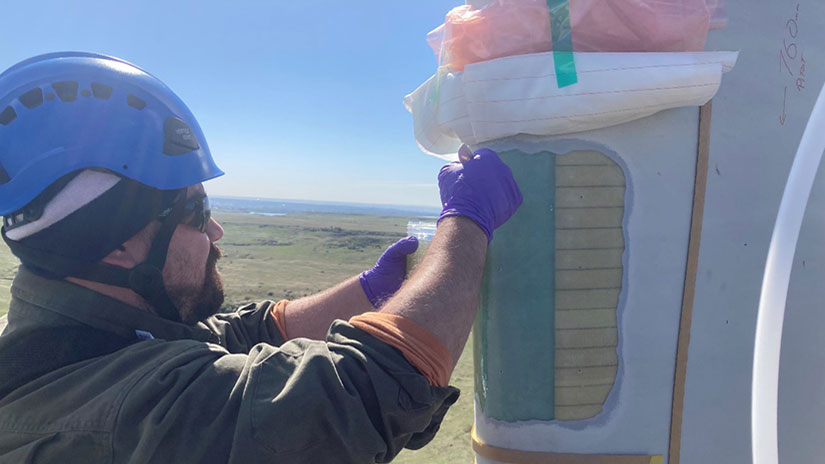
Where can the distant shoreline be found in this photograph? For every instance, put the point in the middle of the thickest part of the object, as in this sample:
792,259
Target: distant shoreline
275,207
258,213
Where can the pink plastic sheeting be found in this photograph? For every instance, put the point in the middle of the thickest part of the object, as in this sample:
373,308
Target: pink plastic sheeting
517,27
718,14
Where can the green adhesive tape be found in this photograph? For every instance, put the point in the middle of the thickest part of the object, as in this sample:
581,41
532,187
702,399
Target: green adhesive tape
562,42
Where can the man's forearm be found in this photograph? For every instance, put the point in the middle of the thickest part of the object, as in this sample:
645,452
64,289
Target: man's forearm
442,295
311,316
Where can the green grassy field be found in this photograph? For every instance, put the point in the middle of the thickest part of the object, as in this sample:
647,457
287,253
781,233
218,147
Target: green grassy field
296,255
293,256
8,266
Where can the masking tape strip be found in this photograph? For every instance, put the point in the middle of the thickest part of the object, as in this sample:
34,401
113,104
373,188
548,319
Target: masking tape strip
700,185
562,42
536,457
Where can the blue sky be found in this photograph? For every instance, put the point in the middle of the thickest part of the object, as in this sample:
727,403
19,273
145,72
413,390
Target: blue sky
297,99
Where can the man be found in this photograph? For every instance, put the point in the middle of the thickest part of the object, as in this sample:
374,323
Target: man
114,351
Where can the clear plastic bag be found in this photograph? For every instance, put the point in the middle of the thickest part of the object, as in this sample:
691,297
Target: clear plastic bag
424,232
718,14
517,27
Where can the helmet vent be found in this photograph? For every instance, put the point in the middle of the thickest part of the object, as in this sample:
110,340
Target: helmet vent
66,90
135,102
32,99
101,91
178,137
7,116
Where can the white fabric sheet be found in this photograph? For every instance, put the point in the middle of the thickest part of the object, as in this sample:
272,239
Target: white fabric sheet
519,95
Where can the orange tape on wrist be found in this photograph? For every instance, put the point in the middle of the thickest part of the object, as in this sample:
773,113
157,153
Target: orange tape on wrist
279,316
420,347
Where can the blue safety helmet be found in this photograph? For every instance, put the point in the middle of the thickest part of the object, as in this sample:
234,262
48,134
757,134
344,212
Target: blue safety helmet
62,112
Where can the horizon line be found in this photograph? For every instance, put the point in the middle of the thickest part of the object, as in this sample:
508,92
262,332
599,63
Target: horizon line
330,202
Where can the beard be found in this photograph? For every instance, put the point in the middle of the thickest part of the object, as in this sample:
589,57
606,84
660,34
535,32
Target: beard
197,304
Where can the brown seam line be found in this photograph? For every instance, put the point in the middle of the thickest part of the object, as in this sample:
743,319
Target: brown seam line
509,456
689,291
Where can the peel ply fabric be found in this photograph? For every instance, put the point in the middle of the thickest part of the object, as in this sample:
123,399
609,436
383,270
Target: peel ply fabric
519,95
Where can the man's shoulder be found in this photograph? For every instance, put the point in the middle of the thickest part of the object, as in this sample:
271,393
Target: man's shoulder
110,377
121,366
87,399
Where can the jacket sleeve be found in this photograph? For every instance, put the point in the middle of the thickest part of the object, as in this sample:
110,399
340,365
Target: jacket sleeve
244,328
351,399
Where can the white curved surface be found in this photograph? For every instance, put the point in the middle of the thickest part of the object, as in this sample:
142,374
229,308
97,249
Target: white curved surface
765,386
659,195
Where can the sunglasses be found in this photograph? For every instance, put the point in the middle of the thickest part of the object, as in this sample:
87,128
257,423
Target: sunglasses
197,213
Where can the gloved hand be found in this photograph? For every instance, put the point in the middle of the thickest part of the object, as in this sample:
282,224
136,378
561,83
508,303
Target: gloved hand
482,189
385,278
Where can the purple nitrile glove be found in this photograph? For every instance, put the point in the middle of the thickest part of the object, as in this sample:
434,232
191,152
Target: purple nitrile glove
385,278
482,189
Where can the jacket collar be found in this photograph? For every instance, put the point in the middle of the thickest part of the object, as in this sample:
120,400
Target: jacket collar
68,303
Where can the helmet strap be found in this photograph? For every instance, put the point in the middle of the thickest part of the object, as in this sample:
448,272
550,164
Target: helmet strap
146,279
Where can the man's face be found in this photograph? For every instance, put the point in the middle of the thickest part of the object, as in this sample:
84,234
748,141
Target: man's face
190,273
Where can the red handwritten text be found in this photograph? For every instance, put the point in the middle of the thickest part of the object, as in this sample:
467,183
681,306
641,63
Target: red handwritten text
791,61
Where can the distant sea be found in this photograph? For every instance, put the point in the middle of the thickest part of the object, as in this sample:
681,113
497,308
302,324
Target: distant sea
275,207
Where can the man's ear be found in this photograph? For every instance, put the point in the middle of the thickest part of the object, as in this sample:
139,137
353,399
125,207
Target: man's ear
121,257
133,251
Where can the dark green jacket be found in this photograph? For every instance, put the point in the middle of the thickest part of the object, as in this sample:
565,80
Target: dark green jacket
228,390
